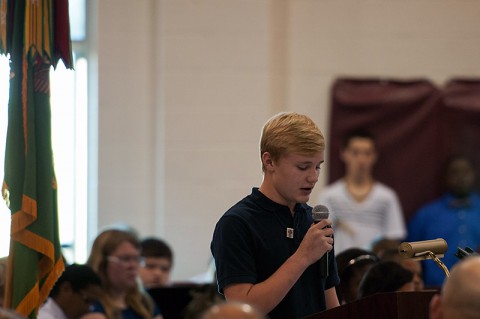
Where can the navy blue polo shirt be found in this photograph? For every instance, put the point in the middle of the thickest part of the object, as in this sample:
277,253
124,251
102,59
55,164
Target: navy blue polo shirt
250,243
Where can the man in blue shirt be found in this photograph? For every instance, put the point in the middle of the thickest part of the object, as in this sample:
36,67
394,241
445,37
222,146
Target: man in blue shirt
454,217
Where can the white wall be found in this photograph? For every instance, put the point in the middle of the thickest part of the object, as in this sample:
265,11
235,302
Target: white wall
185,86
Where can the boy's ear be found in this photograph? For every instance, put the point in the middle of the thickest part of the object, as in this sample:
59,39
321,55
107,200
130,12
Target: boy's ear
267,160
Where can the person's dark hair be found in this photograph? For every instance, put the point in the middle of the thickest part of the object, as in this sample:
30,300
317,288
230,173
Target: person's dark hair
459,183
203,297
455,157
357,133
351,263
386,249
353,258
386,276
79,277
155,247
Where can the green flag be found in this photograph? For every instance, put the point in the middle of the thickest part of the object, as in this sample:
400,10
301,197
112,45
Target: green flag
29,188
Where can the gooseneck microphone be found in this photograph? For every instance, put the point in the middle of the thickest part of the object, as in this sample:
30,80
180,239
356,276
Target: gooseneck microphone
320,212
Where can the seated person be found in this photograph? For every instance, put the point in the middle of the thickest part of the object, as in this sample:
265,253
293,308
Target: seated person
3,278
352,265
115,256
157,263
416,268
387,249
386,276
203,297
460,293
10,314
72,295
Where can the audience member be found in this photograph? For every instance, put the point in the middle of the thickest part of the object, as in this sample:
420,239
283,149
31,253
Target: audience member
266,247
454,217
352,264
156,264
385,276
415,268
115,256
362,209
72,295
3,278
387,250
232,310
203,297
10,314
460,294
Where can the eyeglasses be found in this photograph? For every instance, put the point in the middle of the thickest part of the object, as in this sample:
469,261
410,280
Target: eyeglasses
125,260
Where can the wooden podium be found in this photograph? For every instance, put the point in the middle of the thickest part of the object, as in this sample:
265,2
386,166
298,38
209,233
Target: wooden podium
391,305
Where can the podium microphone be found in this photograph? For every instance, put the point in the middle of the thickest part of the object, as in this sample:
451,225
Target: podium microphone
320,212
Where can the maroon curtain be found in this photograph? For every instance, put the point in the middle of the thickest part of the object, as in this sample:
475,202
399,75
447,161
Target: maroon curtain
405,119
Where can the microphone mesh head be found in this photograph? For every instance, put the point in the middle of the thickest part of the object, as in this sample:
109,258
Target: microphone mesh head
320,212
320,209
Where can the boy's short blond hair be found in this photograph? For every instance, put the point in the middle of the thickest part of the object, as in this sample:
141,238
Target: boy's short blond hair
290,132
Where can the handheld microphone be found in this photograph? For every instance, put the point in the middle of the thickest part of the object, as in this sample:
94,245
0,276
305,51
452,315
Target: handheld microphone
320,212
420,249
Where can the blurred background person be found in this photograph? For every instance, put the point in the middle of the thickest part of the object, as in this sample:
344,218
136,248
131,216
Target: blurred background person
454,217
385,276
203,297
387,250
157,262
362,209
3,278
460,293
10,314
415,267
115,256
352,264
72,295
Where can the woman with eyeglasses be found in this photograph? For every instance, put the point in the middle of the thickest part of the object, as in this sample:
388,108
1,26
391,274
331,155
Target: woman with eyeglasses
115,256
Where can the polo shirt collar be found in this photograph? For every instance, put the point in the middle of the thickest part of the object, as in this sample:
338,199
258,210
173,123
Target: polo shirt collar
269,205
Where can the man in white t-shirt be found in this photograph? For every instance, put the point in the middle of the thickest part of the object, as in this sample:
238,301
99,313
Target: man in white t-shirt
363,210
